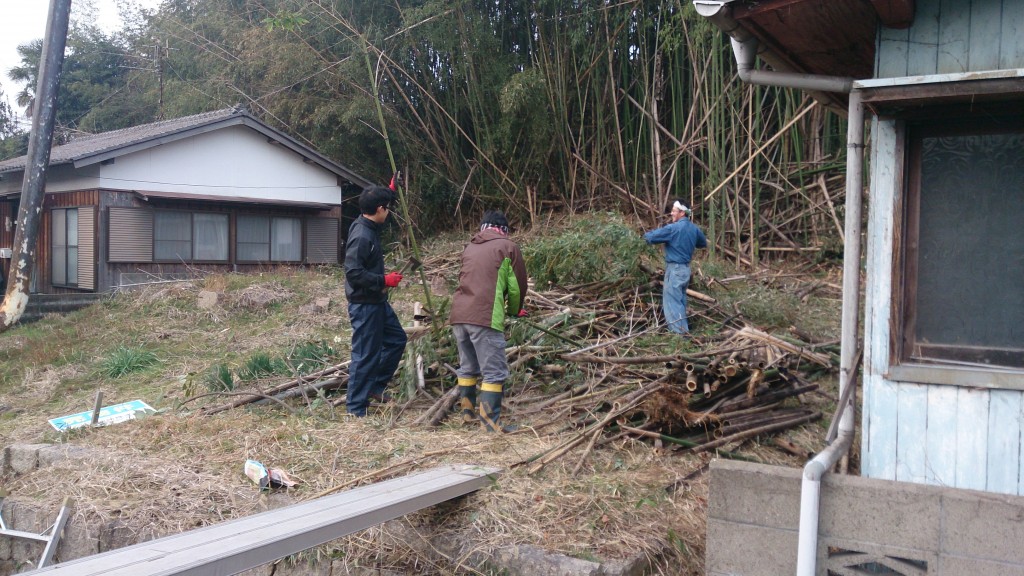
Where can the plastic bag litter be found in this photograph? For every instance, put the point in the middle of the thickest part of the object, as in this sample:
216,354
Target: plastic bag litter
267,478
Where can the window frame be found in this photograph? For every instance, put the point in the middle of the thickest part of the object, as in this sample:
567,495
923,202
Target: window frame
192,237
270,236
66,246
936,369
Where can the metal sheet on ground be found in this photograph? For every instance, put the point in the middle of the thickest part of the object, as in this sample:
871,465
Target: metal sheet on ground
237,545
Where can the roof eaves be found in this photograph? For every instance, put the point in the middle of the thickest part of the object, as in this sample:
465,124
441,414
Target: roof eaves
156,140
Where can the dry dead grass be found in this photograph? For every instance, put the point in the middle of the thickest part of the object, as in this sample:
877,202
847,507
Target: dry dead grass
174,472
178,470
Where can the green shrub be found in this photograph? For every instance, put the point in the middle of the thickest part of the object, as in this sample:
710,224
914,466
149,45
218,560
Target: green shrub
124,360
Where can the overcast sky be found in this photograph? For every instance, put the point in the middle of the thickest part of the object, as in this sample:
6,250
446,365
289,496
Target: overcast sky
22,21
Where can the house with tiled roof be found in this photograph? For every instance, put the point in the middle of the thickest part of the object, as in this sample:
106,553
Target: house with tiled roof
220,191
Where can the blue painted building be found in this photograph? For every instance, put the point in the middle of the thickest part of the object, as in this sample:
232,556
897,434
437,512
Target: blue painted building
940,85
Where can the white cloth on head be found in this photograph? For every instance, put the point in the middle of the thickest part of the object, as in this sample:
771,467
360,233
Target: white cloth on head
677,205
498,227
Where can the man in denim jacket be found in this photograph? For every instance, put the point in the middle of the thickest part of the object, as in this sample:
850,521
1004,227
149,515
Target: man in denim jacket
680,238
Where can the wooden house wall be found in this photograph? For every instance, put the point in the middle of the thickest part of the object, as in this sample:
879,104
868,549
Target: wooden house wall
954,36
109,274
8,209
43,274
956,436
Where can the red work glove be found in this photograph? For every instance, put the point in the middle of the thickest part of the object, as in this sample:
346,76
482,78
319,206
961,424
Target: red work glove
391,280
396,181
522,313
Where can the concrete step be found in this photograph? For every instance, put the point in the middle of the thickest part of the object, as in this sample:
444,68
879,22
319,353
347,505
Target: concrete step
40,305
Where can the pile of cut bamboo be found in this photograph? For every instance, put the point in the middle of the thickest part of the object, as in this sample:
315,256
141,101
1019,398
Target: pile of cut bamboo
728,395
746,383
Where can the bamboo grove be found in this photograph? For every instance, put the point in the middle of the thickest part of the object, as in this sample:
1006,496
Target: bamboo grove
532,106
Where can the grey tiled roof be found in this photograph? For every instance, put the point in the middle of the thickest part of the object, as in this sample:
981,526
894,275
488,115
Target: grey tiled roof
92,144
95,147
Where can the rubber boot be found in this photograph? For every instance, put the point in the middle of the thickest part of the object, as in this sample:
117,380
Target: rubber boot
490,407
467,399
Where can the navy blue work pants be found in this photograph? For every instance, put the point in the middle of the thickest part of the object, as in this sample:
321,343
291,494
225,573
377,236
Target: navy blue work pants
378,342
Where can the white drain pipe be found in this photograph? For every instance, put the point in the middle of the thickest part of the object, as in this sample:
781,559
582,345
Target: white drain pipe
807,551
745,48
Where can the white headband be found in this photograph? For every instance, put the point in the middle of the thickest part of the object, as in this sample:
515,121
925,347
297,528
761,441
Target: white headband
679,206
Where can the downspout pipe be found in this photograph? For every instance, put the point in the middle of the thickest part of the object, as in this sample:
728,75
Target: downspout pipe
745,48
810,489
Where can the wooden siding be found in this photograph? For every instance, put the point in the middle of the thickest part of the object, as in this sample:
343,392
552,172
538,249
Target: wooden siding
322,240
8,209
954,36
87,248
880,400
42,278
957,436
119,203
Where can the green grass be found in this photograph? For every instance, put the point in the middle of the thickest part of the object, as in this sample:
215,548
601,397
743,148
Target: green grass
124,360
310,356
57,364
261,365
219,379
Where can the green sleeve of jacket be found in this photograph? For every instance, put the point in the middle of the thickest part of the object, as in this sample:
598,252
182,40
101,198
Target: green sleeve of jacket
510,289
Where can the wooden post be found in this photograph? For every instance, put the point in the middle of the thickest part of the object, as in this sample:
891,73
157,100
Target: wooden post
96,408
417,312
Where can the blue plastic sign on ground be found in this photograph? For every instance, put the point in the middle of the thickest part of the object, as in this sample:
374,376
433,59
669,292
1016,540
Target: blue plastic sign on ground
108,415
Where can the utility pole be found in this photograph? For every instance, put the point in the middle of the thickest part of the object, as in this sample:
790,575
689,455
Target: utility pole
44,114
159,65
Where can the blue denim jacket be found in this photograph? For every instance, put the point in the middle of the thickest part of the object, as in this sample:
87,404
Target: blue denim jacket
680,239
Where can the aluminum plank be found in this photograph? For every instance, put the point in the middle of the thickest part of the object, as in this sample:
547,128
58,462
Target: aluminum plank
244,543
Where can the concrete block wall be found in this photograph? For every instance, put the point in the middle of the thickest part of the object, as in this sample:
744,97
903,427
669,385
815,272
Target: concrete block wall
878,525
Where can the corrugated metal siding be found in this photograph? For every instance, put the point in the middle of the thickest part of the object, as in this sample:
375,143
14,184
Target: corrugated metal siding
954,36
322,240
131,235
87,247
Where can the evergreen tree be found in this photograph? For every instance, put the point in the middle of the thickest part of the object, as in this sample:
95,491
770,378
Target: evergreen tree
13,141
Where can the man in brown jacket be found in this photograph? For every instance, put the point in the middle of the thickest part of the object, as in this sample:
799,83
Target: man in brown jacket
492,284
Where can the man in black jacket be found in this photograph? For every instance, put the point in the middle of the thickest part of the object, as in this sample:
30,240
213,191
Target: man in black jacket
378,339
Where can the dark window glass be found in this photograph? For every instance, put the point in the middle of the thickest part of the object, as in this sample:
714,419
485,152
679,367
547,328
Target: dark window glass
965,248
64,247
